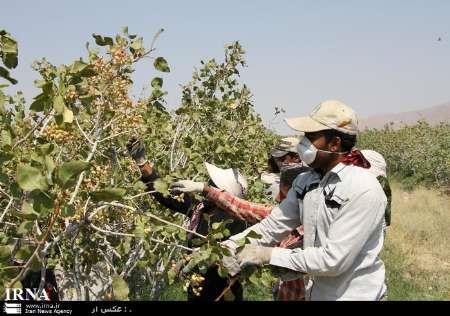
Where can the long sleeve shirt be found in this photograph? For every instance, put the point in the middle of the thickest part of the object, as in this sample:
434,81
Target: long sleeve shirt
236,207
343,215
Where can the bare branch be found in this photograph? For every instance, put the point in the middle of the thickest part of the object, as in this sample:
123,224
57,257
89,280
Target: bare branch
155,217
115,135
108,232
83,132
81,176
43,274
38,248
139,195
44,125
11,200
30,132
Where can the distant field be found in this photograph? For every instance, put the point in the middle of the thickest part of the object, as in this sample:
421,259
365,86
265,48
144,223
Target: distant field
417,251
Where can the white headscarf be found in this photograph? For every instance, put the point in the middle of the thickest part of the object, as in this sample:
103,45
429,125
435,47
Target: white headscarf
377,162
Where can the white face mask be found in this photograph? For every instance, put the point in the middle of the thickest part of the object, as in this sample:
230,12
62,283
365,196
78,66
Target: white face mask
308,152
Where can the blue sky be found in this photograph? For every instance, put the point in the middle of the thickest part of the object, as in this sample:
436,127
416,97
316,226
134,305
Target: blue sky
376,56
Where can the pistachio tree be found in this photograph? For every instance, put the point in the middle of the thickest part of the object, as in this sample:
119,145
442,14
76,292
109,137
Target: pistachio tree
71,198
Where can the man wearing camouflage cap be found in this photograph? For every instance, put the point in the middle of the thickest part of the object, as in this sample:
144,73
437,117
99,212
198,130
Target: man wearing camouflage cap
283,154
341,206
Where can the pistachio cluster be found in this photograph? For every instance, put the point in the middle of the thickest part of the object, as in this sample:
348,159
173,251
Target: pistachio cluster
120,56
57,134
195,283
97,174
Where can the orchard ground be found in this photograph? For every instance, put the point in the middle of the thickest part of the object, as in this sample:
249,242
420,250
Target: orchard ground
416,252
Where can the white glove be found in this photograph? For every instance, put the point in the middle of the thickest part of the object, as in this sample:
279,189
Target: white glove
230,262
254,255
185,186
232,265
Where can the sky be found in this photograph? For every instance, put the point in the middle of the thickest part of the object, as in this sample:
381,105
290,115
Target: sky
376,56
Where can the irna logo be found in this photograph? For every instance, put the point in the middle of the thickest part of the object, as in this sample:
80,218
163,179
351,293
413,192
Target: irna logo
14,294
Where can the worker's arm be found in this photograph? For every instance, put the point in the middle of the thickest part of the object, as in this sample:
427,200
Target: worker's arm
277,225
238,208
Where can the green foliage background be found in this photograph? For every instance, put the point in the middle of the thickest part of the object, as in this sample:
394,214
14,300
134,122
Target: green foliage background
416,154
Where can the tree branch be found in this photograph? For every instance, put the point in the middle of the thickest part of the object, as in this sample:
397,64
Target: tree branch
30,132
36,251
108,232
11,199
155,217
83,133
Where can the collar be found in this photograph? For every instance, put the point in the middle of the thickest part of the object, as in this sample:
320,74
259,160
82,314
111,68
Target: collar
338,171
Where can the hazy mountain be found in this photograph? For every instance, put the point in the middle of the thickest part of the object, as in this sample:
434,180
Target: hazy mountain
433,115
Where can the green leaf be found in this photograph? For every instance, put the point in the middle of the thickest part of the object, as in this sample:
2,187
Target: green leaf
88,71
182,235
49,164
69,171
30,178
8,51
4,157
25,228
46,149
9,44
139,186
120,288
188,141
3,100
78,66
254,279
218,236
137,44
42,203
27,212
38,105
108,195
161,64
161,186
59,119
139,229
157,83
36,157
68,211
24,254
5,253
222,271
215,226
171,275
220,149
103,41
6,137
58,104
241,242
4,73
67,115
253,234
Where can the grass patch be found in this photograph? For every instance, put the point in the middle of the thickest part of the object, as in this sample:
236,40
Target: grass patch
416,252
